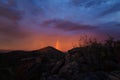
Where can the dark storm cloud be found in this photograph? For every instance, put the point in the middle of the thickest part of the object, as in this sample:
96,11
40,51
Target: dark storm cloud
67,25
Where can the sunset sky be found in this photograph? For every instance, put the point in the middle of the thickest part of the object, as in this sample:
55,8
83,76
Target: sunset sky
33,24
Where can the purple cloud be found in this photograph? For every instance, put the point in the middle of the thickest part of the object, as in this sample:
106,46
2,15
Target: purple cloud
68,25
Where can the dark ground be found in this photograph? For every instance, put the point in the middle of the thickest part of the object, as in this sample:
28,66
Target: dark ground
95,61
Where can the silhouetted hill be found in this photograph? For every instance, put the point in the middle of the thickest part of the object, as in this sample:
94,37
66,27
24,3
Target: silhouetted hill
51,52
92,62
47,52
4,51
50,49
24,63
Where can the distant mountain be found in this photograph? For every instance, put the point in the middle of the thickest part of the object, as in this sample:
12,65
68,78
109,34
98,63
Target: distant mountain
4,51
28,62
50,52
44,52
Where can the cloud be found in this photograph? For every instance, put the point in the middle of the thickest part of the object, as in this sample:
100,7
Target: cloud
88,3
25,21
67,25
78,2
112,9
111,24
70,26
9,25
9,13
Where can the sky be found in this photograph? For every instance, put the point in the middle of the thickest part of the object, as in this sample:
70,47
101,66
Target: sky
33,24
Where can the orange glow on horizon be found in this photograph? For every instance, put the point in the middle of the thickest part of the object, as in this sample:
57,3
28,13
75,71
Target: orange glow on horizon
34,42
57,45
